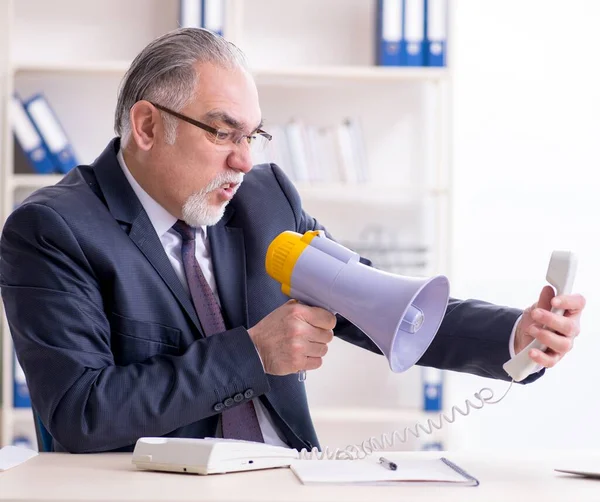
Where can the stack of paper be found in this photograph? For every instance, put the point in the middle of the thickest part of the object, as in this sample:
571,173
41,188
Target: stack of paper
11,456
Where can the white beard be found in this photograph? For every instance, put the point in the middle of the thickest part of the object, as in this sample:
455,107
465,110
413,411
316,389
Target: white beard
197,211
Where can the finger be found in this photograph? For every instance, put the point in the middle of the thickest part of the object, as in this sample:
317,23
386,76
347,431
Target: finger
573,303
562,325
320,318
316,349
320,335
545,298
555,342
546,359
312,363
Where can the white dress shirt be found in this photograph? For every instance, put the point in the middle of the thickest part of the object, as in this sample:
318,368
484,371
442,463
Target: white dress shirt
163,221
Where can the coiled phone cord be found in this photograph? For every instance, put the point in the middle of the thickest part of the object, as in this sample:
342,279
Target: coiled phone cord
373,444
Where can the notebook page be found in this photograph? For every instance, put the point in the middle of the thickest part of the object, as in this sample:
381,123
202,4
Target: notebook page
11,456
371,471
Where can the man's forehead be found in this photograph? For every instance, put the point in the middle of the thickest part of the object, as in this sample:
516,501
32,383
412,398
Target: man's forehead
216,79
227,95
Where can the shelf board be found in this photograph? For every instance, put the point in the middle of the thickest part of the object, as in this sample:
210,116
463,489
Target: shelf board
324,74
71,67
33,180
267,76
18,415
366,192
409,416
335,192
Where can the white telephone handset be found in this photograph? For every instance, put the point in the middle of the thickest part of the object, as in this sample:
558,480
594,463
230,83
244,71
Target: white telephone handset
216,455
561,275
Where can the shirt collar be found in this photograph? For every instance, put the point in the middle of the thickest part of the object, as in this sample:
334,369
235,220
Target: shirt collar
161,219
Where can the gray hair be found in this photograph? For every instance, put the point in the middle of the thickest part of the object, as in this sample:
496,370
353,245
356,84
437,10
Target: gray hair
164,72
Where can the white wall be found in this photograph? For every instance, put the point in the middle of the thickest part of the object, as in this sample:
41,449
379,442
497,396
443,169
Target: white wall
527,130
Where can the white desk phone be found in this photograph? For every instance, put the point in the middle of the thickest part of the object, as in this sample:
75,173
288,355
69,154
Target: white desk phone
217,455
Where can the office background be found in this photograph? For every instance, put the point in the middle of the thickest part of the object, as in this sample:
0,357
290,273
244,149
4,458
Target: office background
517,109
527,117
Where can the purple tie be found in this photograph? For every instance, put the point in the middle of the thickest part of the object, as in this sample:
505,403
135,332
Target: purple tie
239,420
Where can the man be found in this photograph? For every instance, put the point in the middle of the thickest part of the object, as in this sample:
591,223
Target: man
136,292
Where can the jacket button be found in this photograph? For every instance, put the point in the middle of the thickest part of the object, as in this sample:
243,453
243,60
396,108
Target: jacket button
228,402
218,407
238,398
248,394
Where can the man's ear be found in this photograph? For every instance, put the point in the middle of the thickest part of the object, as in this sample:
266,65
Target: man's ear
144,124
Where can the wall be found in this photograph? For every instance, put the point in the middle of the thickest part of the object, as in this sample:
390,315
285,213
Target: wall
527,117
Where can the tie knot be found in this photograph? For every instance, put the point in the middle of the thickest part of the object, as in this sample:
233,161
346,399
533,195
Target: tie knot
187,233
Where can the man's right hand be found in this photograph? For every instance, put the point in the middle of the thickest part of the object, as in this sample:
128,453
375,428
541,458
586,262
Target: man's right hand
293,337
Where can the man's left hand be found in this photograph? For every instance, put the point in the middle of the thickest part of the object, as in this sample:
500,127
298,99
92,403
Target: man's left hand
555,331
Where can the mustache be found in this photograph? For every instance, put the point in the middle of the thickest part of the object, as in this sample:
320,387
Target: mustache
223,179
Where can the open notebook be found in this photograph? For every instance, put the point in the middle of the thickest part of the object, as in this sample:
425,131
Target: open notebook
370,471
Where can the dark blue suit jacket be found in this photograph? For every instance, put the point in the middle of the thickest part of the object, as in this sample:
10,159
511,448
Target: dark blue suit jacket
110,342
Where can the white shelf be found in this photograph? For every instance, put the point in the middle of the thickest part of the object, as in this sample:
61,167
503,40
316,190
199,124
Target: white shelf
272,76
33,180
365,192
71,67
346,74
404,111
370,415
18,415
338,192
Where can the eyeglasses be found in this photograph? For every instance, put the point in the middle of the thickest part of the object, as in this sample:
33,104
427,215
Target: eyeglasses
258,140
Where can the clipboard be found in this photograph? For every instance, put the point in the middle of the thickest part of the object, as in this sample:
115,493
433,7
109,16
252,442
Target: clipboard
431,471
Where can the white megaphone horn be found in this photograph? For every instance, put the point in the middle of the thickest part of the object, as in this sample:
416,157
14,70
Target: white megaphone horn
400,314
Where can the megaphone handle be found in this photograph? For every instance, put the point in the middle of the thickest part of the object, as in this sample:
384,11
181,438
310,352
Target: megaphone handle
307,300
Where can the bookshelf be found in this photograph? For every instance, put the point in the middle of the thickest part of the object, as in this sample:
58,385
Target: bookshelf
315,67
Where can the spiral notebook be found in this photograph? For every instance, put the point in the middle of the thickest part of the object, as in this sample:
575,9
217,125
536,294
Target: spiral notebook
371,472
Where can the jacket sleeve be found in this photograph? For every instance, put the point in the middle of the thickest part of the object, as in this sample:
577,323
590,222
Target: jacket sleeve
62,337
473,337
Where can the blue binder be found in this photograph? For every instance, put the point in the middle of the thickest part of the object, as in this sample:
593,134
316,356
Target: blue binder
432,389
214,16
414,32
432,446
190,13
21,397
209,14
23,441
436,29
29,139
389,32
48,126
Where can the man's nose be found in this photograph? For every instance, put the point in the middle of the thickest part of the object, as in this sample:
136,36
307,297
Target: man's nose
240,157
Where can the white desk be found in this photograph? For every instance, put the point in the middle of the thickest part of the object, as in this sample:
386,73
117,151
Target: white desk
112,477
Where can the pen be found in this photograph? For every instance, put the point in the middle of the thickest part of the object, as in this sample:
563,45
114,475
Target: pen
387,464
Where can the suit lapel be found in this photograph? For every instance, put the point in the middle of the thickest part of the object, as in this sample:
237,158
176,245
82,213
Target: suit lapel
126,208
144,236
229,263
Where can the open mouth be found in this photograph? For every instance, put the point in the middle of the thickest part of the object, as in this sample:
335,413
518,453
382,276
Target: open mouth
228,189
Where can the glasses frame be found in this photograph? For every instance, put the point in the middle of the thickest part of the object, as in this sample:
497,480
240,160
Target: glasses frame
214,131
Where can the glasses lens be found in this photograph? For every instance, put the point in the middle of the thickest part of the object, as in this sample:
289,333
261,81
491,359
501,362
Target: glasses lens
258,143
221,137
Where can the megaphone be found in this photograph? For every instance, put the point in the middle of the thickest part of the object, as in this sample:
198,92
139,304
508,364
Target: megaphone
400,314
